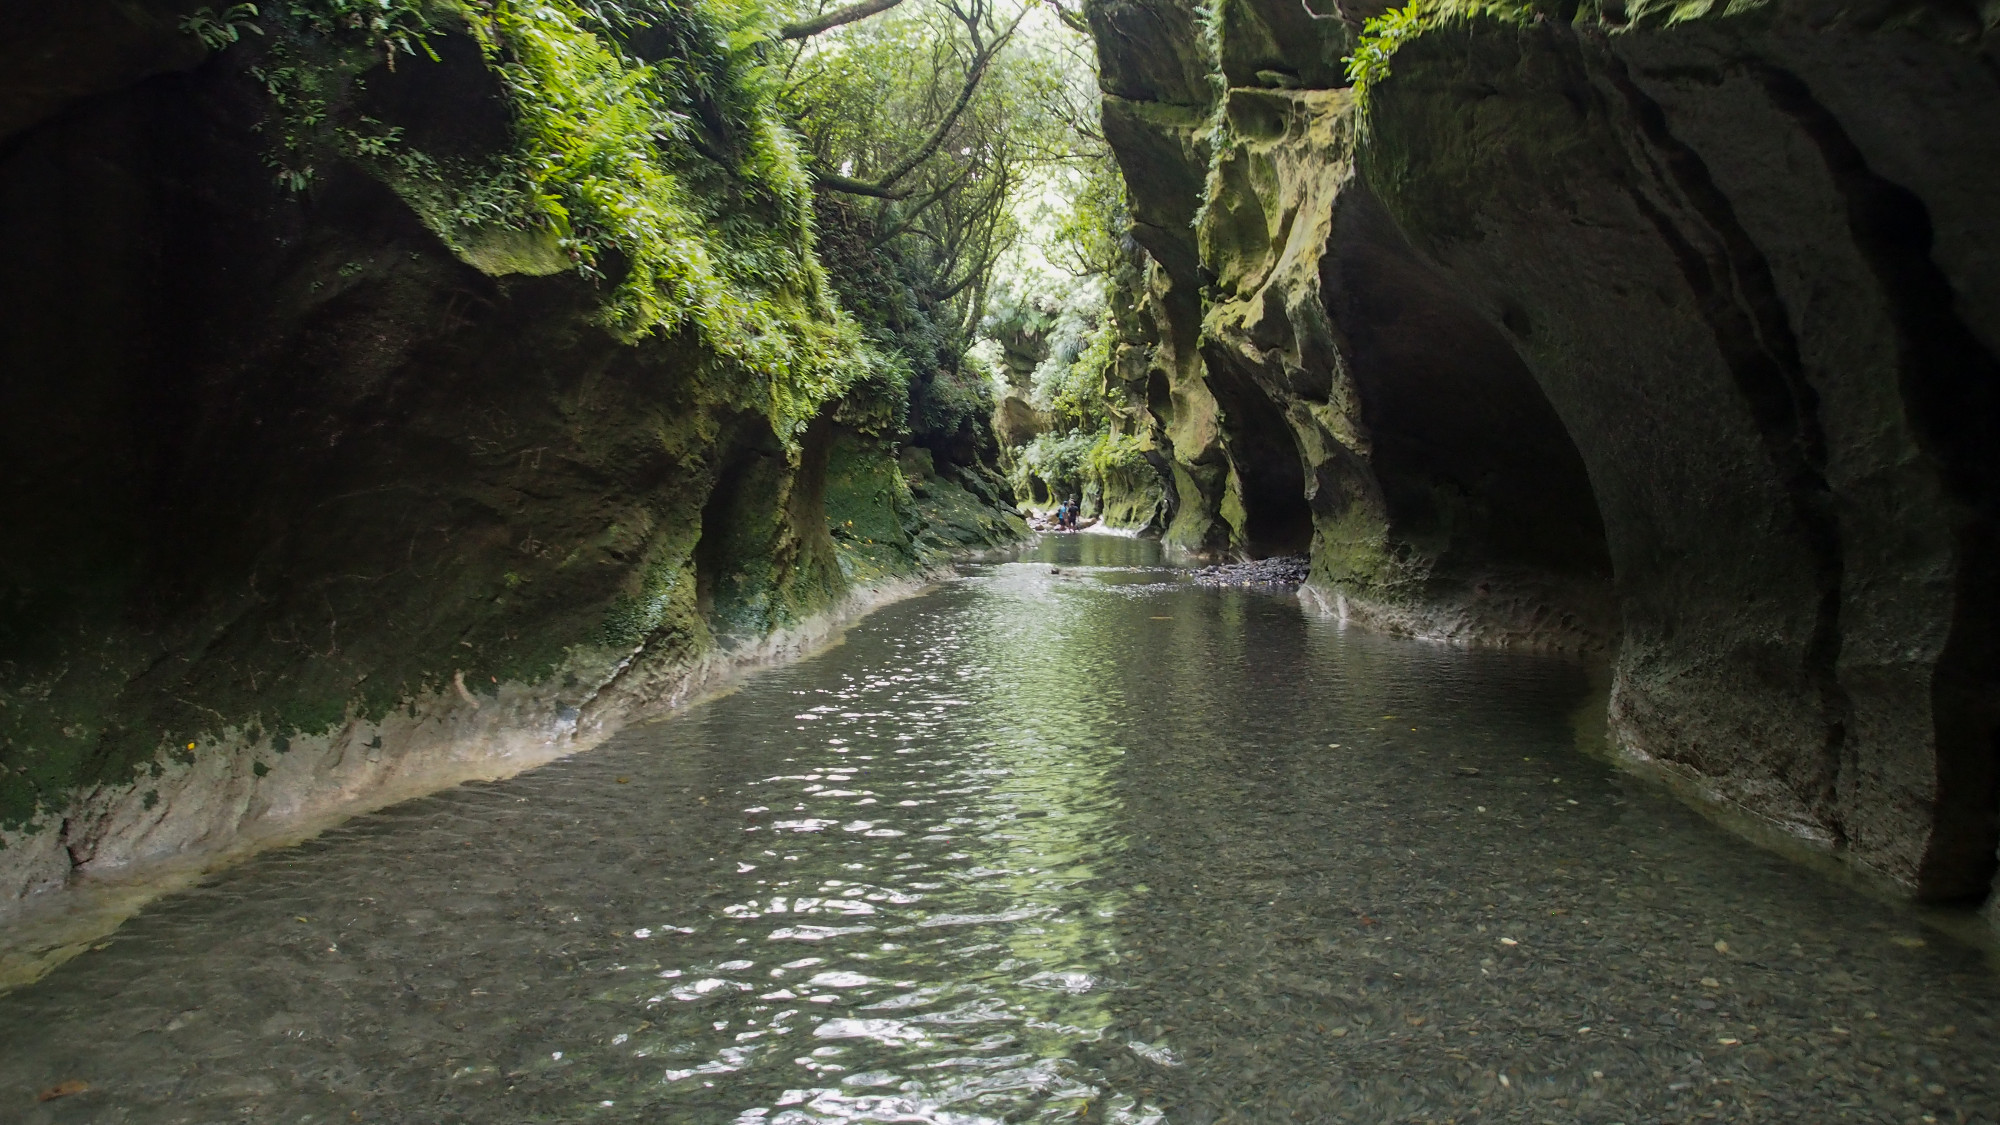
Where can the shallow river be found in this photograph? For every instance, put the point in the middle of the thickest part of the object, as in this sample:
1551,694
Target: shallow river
1099,845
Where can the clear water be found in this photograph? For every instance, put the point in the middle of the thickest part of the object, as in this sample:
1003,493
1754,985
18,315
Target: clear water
1036,846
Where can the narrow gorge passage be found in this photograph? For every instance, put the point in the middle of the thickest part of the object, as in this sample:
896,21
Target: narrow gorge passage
1071,837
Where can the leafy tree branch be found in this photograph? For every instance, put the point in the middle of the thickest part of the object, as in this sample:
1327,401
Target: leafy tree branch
853,13
983,53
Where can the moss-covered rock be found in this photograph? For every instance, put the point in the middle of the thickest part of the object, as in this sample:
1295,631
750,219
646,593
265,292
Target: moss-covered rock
336,467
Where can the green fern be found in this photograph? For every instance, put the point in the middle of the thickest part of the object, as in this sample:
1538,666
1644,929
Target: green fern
219,31
1382,36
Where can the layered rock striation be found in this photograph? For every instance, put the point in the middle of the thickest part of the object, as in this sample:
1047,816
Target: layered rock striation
1669,335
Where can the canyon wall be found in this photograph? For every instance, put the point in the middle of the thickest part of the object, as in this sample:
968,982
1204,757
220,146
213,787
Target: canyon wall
323,487
1666,334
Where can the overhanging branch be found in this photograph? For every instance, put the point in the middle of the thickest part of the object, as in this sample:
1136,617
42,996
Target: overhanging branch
845,186
971,276
806,29
1073,21
910,217
973,74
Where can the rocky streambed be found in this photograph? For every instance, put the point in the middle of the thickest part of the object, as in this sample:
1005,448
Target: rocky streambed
979,863
1282,574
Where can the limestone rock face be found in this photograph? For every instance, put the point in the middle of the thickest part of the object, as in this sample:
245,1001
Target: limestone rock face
1673,341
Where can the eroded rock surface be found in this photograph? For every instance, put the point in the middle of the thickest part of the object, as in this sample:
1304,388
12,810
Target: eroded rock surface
309,507
1590,331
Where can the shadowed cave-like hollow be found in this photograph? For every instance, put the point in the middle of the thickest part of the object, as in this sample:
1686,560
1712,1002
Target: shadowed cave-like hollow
1469,457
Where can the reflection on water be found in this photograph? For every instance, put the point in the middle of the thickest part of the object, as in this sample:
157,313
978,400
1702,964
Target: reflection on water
1067,839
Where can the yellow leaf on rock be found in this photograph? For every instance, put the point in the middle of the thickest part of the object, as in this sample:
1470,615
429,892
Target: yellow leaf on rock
63,1090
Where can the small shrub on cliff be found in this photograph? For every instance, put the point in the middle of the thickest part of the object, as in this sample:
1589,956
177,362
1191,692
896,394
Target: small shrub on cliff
1116,453
217,31
614,157
1382,35
951,400
1061,460
1071,463
385,26
1070,383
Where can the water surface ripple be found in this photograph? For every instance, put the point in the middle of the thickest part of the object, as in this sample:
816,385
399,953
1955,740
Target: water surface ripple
1055,842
